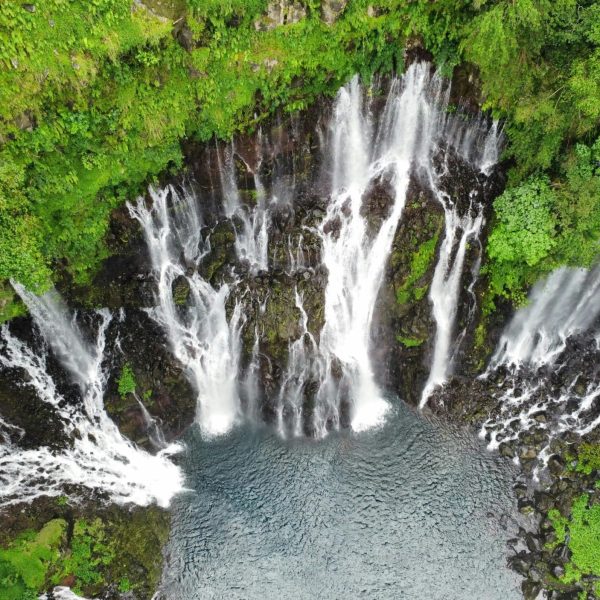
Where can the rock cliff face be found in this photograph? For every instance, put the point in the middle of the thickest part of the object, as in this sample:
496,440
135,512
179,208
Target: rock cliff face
286,165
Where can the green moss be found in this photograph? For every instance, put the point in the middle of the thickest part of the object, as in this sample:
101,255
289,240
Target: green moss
560,527
581,532
124,585
588,458
26,564
119,546
90,553
410,342
127,384
421,260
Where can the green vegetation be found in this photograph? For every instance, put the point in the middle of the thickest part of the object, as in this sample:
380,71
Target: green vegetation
90,551
540,226
588,458
126,383
25,565
409,342
581,532
420,263
34,561
95,98
120,546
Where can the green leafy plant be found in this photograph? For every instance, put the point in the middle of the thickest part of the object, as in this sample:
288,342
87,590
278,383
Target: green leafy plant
126,383
90,553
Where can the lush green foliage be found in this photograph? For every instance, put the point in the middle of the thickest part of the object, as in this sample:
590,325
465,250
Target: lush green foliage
581,531
539,226
126,383
36,561
95,98
90,551
420,263
588,458
24,566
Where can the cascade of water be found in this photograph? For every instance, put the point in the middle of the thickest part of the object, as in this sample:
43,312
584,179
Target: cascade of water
251,224
99,457
250,382
566,303
444,292
201,338
62,593
296,256
413,129
479,145
302,366
355,262
563,306
155,433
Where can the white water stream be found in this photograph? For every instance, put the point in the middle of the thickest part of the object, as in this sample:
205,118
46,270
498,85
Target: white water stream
564,305
100,458
200,336
414,129
412,138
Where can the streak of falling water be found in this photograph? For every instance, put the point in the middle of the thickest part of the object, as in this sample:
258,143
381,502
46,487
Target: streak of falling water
200,336
303,364
478,145
251,223
564,305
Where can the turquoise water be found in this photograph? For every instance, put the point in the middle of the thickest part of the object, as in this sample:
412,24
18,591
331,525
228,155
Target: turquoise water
414,510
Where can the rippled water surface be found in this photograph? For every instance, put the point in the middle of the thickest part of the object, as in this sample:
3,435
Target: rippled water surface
413,510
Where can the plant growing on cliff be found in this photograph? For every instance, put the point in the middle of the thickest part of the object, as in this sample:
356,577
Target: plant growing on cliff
27,562
91,552
523,235
126,384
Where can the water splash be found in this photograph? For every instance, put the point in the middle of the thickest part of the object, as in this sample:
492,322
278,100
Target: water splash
201,337
99,457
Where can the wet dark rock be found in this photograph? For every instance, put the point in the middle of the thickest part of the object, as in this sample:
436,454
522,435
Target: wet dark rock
506,450
526,507
160,381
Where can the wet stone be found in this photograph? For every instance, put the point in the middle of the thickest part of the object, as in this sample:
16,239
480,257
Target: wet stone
526,507
506,450
527,453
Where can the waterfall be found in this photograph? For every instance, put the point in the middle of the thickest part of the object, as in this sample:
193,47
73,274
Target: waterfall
479,146
563,307
200,335
566,303
413,130
302,366
251,224
99,457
